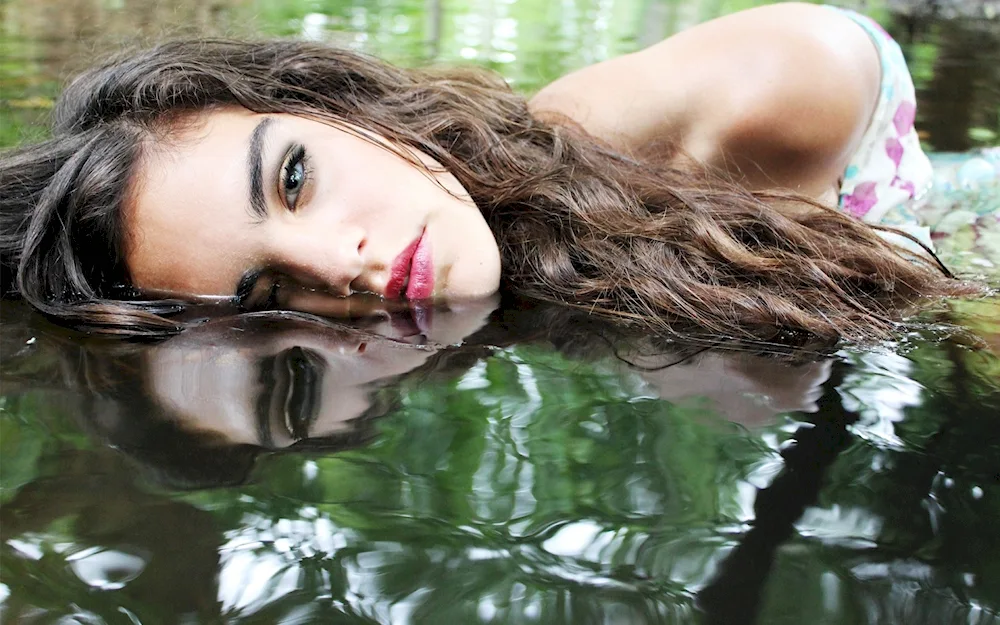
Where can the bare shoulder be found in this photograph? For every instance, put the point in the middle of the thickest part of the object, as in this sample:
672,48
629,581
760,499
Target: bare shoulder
779,94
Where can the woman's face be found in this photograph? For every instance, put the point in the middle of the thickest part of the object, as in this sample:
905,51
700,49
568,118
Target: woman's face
282,210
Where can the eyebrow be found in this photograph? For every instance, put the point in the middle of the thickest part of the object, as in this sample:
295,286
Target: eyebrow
258,204
255,169
262,405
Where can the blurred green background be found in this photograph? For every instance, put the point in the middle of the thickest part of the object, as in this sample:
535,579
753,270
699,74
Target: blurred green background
953,46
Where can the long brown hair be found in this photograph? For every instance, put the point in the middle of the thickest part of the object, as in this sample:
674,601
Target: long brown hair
576,222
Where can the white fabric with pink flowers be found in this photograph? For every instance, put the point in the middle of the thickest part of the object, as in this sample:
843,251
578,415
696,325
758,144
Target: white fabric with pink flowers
889,168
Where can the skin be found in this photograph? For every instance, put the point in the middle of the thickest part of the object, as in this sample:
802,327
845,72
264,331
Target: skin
779,97
209,377
743,388
193,232
213,386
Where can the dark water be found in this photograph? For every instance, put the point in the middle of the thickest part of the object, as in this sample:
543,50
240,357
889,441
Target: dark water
547,470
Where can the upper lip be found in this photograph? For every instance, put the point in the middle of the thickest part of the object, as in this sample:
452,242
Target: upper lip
400,273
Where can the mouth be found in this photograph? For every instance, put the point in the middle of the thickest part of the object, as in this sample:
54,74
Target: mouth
412,275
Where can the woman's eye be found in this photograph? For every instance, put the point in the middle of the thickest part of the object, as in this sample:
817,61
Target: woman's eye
293,176
272,297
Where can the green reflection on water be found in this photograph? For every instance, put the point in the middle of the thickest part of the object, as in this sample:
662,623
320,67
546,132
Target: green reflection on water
536,485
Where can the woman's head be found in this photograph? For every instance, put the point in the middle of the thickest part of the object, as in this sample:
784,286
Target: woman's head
178,171
273,383
148,189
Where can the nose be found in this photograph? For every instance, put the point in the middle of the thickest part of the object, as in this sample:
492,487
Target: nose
329,258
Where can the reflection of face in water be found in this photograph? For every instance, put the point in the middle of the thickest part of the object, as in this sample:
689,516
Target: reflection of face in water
274,382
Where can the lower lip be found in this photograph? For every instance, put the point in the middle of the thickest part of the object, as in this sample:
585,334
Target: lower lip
421,284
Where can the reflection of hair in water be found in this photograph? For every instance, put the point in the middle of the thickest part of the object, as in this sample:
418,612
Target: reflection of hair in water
104,383
107,383
575,333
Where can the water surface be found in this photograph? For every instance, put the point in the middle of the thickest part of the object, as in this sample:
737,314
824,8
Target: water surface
540,479
548,470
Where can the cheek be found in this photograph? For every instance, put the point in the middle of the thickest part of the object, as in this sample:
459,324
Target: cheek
474,269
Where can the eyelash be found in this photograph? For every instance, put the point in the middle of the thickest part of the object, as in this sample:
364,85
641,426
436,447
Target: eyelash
248,301
295,162
272,297
295,159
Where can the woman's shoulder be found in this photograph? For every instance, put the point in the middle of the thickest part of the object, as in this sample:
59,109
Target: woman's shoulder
778,95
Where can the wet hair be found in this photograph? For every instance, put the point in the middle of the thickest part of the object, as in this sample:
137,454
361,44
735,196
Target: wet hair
576,222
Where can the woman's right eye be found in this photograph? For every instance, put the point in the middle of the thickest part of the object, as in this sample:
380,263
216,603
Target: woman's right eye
304,369
294,175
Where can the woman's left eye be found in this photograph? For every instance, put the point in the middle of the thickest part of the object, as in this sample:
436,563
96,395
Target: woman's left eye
293,176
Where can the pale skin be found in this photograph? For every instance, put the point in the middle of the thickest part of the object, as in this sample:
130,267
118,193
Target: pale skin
776,97
195,232
211,381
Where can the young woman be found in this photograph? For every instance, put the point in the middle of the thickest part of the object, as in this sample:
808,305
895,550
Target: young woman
694,184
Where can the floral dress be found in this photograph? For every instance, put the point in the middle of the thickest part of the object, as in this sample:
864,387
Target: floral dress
890,180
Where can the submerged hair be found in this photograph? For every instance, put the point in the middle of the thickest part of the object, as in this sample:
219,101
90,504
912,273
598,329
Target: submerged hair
674,248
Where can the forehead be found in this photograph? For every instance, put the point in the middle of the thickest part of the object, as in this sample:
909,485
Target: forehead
188,226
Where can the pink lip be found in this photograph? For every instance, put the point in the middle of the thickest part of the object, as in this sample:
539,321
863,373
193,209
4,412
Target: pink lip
414,262
421,285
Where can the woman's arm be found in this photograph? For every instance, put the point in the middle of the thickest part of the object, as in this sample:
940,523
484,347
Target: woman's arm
776,96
